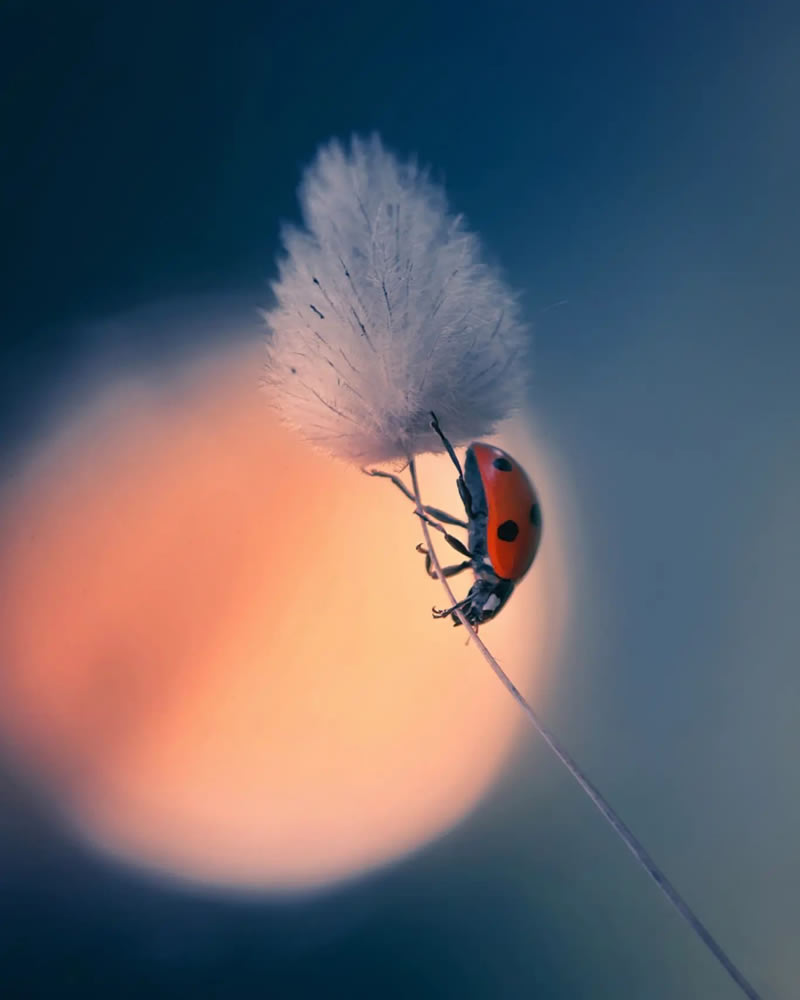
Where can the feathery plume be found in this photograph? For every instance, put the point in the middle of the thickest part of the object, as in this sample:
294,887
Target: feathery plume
385,310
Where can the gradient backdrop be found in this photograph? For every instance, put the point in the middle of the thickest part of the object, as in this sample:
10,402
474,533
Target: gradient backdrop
634,168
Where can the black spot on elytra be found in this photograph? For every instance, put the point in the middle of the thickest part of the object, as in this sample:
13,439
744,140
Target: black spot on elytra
293,371
508,531
536,515
502,464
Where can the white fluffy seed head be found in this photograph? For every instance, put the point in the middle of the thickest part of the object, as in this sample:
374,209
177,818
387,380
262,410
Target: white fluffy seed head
385,310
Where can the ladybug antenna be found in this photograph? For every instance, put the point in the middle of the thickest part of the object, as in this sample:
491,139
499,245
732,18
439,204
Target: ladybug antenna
446,443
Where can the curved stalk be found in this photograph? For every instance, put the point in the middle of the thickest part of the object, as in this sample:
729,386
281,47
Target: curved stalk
623,831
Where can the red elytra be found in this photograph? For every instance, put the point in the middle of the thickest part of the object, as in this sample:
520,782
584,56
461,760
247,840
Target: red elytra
514,524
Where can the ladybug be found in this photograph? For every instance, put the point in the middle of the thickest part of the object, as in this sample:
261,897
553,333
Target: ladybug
504,522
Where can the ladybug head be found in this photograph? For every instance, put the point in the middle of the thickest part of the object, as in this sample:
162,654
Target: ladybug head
484,600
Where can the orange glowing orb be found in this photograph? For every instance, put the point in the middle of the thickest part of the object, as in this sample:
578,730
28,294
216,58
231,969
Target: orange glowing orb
216,647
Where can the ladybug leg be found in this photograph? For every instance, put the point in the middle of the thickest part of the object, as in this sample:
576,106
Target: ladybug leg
440,515
444,612
454,542
463,492
398,482
447,570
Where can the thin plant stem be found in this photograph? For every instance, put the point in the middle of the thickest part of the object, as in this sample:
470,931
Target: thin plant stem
627,836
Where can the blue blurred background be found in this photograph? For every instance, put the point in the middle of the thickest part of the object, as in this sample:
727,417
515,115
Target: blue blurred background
634,168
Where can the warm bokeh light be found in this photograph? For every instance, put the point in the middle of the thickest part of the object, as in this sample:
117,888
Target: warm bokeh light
216,645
